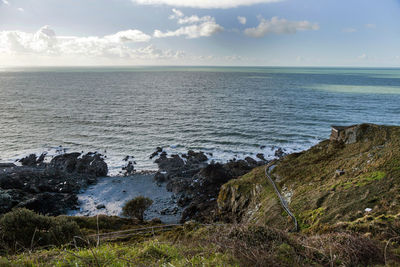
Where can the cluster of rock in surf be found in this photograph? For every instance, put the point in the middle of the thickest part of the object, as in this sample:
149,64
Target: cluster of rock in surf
48,188
51,188
196,183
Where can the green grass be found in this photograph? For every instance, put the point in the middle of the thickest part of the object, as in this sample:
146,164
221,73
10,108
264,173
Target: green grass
149,253
370,180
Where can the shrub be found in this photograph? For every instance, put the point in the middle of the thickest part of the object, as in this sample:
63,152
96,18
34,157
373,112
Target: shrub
24,229
343,249
136,207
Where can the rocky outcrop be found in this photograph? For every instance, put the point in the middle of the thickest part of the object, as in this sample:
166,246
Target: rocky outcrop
196,182
49,188
90,163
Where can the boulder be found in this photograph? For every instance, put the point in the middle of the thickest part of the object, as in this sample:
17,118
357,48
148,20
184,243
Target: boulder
53,204
261,156
279,153
91,163
159,177
170,165
252,162
65,162
100,206
29,160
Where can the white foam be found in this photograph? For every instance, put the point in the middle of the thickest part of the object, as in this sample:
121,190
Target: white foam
115,161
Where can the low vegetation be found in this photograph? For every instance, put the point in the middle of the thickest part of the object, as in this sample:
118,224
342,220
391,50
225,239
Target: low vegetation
218,245
136,207
23,229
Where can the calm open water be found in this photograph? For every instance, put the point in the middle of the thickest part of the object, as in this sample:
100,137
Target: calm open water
227,111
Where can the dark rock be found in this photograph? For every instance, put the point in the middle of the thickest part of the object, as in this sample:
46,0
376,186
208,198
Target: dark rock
8,199
53,204
252,162
12,181
189,213
7,165
174,211
49,188
261,156
29,160
172,164
215,174
41,158
279,153
183,201
91,163
238,168
197,183
155,153
164,211
178,185
100,206
159,177
196,156
129,169
65,162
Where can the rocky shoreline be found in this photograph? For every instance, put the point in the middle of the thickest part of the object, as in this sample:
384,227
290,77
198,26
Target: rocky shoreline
196,183
48,188
52,188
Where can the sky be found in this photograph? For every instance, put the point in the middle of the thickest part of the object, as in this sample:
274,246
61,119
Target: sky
358,33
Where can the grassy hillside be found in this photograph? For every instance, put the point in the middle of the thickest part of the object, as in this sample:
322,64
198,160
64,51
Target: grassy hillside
321,198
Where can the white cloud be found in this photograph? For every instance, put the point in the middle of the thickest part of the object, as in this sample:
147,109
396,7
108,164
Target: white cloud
279,26
135,36
205,29
198,26
177,14
6,2
370,26
242,20
20,9
43,41
204,3
194,19
349,30
46,43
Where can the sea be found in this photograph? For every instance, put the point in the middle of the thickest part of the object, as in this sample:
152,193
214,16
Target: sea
227,112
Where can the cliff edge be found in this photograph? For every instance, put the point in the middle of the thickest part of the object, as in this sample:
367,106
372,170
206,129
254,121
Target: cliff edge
351,182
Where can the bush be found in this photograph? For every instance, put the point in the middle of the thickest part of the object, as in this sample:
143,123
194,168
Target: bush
136,207
344,249
24,229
